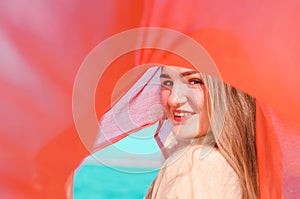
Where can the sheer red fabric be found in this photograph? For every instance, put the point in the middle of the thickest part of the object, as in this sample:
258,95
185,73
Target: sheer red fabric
253,43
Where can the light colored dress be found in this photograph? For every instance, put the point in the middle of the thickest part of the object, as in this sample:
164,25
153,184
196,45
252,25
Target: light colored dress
186,174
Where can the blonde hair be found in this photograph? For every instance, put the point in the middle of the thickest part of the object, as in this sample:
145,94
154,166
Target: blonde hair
232,114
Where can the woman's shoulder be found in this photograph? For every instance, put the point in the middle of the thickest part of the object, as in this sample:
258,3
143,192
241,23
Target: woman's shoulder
213,173
196,172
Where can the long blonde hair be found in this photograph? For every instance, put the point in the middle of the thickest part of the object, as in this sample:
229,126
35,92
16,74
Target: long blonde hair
233,126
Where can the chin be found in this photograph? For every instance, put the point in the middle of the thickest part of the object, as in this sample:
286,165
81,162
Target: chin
184,131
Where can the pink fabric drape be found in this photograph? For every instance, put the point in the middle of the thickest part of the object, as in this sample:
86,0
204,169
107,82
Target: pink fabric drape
43,43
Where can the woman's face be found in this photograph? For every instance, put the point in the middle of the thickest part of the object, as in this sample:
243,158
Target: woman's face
183,97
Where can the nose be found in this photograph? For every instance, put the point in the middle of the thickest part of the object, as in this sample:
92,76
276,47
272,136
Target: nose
177,96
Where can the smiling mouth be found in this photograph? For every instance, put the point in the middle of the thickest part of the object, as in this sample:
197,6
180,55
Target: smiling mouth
180,116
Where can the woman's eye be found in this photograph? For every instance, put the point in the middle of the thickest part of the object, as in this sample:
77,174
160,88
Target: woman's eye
196,82
167,83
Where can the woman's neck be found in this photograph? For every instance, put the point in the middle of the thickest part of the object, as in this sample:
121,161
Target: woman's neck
174,143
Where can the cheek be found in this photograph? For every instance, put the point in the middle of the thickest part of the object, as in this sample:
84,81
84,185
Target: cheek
198,99
164,96
204,115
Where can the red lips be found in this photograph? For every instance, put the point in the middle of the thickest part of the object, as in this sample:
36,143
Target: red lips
181,115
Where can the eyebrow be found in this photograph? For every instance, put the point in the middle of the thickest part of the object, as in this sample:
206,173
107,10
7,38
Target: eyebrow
164,76
187,73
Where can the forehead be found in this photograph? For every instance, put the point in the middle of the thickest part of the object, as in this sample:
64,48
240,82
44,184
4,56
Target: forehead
176,69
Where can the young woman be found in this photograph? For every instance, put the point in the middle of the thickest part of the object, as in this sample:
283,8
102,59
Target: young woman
212,144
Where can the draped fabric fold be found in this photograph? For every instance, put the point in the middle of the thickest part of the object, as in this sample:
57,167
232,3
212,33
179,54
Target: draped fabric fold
254,44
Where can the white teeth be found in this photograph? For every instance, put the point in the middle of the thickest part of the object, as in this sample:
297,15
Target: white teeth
182,114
